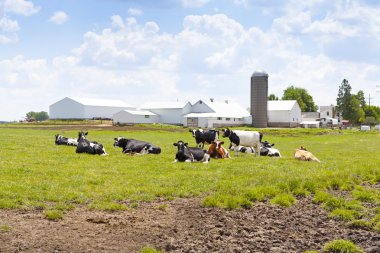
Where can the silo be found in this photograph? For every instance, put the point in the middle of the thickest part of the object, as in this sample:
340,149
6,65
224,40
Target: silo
259,99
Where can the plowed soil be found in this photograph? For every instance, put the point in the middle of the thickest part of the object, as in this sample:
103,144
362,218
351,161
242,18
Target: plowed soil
181,225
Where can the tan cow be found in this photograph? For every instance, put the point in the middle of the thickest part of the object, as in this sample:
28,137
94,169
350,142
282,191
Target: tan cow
304,155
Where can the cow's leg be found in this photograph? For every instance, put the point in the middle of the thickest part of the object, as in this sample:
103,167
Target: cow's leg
175,160
236,149
189,160
206,158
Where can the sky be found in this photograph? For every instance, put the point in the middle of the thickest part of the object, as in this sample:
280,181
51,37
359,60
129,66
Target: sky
143,51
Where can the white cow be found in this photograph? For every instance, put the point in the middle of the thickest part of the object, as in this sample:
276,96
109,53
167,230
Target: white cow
244,138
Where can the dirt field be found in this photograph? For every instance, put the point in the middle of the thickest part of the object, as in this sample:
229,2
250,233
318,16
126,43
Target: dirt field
181,225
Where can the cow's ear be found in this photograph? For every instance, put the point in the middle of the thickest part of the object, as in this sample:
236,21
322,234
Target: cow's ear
272,144
190,130
85,133
186,144
175,144
115,139
221,143
212,142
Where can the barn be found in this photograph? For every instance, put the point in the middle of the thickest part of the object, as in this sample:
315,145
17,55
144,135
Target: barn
284,113
135,117
169,112
86,108
216,114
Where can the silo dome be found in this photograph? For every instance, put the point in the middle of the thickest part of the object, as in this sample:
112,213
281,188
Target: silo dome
259,99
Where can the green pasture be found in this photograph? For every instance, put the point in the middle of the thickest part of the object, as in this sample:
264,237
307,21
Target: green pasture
37,174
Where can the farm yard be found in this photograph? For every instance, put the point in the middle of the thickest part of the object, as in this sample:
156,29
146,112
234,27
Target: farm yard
54,200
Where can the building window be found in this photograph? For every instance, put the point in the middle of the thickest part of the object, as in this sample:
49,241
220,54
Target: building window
328,113
219,118
147,116
228,119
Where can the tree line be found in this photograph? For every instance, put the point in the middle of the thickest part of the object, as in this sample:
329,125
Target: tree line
349,106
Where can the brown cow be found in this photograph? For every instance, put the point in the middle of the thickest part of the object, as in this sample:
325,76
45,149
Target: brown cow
216,150
304,155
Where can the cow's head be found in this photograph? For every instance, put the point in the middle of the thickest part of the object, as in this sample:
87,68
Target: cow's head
57,137
82,135
226,132
180,145
267,144
117,142
216,149
303,148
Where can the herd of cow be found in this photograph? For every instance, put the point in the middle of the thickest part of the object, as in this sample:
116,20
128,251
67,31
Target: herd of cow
240,141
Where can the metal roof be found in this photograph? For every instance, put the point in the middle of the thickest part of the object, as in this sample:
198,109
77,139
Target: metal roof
140,112
222,109
101,102
281,105
164,105
260,73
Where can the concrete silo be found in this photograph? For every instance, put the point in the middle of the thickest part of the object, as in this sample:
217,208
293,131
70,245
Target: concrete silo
259,99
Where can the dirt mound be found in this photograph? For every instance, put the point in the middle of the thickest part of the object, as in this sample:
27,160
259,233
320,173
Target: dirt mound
181,225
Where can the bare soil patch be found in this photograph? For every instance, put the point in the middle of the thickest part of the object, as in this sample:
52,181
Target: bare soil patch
181,225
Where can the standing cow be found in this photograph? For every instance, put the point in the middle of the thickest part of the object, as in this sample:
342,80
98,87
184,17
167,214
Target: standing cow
85,146
186,154
244,138
201,136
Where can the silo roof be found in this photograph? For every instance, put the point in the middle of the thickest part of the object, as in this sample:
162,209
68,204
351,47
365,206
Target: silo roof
260,73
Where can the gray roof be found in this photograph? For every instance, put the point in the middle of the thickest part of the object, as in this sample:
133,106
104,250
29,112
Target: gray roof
101,102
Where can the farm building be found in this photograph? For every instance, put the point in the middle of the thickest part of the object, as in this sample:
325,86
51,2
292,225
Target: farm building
86,108
135,117
284,113
310,124
169,113
216,114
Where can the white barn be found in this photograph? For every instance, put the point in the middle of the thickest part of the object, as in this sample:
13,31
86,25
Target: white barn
216,114
169,112
86,108
135,117
284,113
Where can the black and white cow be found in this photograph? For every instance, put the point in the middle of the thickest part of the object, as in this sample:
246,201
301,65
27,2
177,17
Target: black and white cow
132,146
244,138
85,146
61,140
267,149
201,136
186,154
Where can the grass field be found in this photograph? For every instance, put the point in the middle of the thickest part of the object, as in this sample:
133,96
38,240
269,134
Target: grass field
37,174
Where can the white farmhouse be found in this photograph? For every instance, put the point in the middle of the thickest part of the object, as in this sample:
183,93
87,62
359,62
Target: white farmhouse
86,108
216,114
135,117
284,113
169,112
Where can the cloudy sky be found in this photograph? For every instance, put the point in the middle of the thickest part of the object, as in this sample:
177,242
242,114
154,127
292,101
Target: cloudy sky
146,50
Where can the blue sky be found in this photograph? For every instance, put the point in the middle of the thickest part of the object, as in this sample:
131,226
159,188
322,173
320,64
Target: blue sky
170,50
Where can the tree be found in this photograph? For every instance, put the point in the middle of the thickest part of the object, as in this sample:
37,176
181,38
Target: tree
353,112
361,98
303,98
272,97
39,116
344,96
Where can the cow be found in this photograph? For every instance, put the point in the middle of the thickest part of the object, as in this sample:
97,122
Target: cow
187,154
61,140
132,146
85,146
304,155
201,136
216,150
244,138
267,149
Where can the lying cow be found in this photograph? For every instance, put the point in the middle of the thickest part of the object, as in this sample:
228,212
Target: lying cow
85,146
216,150
244,138
186,154
132,146
201,136
61,140
267,149
304,155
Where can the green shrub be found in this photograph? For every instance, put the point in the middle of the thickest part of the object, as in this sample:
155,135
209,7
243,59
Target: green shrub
364,224
283,199
149,249
5,228
341,246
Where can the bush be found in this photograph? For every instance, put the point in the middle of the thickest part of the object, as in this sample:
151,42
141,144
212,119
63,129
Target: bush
341,246
53,215
283,199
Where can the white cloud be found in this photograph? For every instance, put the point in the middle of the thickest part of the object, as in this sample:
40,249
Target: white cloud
194,3
59,18
22,7
8,25
134,12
